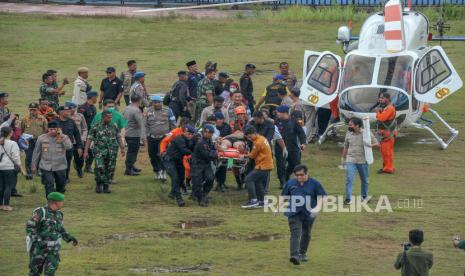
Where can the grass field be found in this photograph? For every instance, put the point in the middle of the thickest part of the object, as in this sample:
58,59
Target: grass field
136,228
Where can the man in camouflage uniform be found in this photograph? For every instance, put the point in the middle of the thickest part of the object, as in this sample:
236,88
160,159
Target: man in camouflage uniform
4,111
44,234
128,80
205,93
49,92
106,138
138,88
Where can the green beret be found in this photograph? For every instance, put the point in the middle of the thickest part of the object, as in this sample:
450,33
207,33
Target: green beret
56,196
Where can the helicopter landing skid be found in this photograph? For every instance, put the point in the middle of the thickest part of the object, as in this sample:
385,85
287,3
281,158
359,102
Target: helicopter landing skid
442,143
331,128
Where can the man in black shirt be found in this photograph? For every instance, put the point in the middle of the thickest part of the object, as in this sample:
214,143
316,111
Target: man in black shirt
172,161
294,138
247,85
179,95
89,111
225,130
111,87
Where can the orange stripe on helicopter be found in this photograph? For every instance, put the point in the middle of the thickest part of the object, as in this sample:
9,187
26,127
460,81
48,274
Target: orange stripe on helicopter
393,35
392,13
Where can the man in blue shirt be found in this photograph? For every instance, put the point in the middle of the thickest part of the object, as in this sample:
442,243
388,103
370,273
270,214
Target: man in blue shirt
305,201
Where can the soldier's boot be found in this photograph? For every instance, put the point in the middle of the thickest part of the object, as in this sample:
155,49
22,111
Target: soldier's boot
239,181
28,174
98,188
88,168
106,188
79,172
180,201
204,201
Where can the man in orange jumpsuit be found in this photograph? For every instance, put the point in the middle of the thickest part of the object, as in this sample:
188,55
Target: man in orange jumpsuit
386,122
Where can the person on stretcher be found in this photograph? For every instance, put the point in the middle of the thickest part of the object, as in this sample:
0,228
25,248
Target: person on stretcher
235,140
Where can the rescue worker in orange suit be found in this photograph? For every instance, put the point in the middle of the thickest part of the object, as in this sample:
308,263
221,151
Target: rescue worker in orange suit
183,122
386,124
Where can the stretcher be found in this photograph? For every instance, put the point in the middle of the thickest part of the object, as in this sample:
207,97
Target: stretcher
233,159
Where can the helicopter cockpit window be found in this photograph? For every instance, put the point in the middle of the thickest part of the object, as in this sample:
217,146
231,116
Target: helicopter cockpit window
358,71
365,100
325,76
310,61
396,71
432,70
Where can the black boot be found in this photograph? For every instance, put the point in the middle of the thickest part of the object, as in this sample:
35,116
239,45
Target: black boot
204,201
106,188
79,172
239,182
134,168
180,202
98,188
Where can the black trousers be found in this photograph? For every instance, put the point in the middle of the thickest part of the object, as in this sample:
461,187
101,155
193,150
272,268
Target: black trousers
90,158
7,181
154,153
54,181
280,164
175,170
78,160
69,158
220,174
29,152
202,179
126,99
133,150
293,159
323,117
300,227
285,167
255,182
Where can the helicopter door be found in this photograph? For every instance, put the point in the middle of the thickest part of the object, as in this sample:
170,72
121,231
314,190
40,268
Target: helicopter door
435,77
309,59
321,84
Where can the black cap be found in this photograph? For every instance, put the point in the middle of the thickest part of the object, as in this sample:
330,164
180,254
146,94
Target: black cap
53,124
223,75
3,94
110,70
33,105
190,63
250,65
182,73
61,108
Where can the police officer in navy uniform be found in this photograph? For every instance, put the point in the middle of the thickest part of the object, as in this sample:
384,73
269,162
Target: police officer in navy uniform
247,85
89,111
69,128
172,161
179,95
225,130
201,166
294,139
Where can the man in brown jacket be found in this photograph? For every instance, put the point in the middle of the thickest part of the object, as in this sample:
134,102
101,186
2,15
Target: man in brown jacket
256,180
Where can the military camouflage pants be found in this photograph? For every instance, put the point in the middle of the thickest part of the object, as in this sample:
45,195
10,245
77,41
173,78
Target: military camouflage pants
199,106
43,259
105,164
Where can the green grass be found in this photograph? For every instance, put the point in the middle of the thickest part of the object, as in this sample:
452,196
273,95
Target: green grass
343,243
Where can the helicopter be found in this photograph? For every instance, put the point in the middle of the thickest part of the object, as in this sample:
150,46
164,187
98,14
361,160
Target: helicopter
391,55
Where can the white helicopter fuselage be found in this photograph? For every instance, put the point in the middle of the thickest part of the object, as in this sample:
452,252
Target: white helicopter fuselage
415,76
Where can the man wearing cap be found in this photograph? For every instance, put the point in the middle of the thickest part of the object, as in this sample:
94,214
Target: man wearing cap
50,157
247,85
159,121
81,124
271,95
201,166
106,139
45,231
138,88
35,125
217,106
193,78
225,83
81,86
89,111
111,87
172,161
69,128
4,111
127,77
205,91
256,180
179,95
294,138
50,92
135,130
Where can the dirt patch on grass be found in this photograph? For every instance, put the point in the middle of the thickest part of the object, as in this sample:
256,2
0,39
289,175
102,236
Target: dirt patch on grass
378,223
173,269
182,235
198,223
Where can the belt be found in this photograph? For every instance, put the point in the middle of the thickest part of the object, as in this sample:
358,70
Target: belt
52,243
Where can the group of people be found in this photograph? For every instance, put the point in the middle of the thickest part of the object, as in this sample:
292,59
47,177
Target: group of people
204,116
